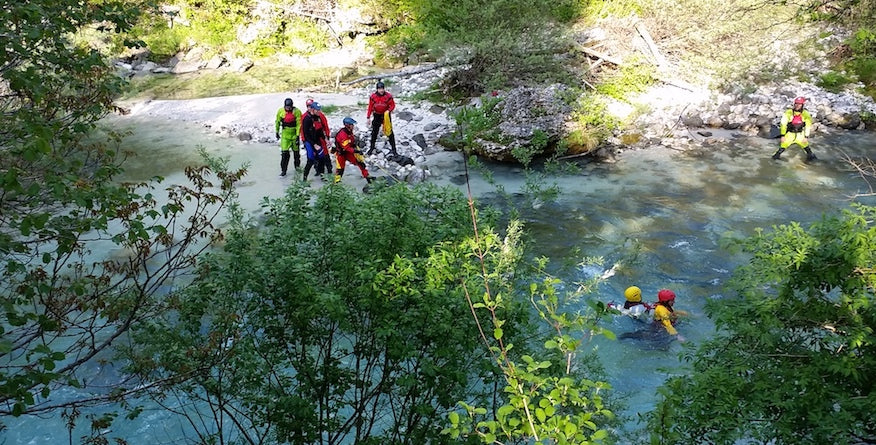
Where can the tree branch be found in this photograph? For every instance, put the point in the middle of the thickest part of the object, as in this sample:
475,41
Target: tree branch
397,74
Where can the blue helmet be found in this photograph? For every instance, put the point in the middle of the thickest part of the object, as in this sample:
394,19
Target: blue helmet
315,106
349,121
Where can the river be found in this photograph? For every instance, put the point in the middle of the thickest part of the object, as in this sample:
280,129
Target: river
659,212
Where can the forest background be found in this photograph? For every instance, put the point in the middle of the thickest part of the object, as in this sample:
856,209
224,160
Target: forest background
206,323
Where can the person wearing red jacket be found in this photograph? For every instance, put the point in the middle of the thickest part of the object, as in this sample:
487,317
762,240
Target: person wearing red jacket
381,104
346,149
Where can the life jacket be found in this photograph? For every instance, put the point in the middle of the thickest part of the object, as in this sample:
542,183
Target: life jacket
796,124
317,125
629,304
380,103
288,120
342,136
312,128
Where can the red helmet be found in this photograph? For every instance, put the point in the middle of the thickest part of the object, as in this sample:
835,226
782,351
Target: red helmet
665,295
308,103
800,100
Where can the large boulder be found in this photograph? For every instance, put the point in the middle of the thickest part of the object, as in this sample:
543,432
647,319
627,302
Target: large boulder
526,116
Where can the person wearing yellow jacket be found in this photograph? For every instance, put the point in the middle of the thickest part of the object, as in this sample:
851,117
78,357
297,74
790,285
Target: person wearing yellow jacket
795,128
287,126
665,315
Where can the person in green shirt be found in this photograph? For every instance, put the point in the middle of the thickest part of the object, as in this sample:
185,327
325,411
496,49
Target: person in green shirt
287,125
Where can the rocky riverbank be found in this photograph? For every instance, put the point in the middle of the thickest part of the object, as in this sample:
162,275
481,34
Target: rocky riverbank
681,117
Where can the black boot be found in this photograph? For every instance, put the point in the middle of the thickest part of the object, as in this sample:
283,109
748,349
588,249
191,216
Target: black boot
809,155
778,153
392,144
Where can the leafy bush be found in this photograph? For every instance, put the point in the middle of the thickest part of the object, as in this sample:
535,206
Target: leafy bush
403,41
164,43
593,124
479,122
865,70
794,356
322,316
863,42
833,81
632,77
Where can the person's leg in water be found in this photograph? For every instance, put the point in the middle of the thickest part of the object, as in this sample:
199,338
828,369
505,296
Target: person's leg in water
339,166
323,162
311,159
804,144
296,154
284,162
786,141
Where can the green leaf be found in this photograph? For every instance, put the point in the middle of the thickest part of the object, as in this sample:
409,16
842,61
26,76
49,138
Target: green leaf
454,418
497,333
570,429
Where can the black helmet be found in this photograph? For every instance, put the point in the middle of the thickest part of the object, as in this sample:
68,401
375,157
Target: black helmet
287,102
380,84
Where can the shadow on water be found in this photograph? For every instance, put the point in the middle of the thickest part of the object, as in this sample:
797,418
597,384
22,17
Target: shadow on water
660,212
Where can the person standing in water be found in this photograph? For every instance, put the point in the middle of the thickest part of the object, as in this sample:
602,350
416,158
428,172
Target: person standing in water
795,127
286,129
315,134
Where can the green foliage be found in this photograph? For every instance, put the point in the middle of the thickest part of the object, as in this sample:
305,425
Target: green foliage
865,70
566,11
793,359
63,304
214,23
863,42
341,317
156,32
403,41
165,43
508,59
593,124
258,79
724,41
538,145
479,122
848,12
863,58
632,77
546,400
833,81
501,40
624,8
295,36
54,91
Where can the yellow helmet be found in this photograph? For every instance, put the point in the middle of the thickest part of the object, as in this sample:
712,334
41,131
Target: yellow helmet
633,294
